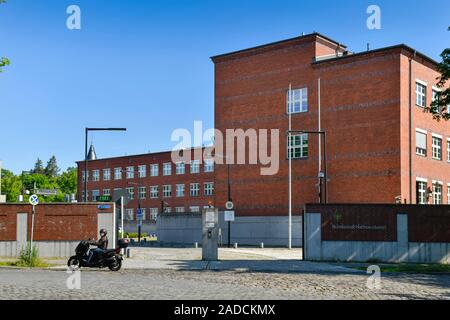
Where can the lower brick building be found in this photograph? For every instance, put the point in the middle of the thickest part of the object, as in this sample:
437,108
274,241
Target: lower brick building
153,181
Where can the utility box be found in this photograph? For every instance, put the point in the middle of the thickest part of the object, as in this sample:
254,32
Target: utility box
210,236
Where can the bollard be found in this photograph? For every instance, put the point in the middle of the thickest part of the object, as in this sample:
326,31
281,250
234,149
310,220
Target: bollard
128,253
235,245
196,245
262,245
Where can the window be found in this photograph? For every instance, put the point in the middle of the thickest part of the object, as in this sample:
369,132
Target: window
180,190
195,189
437,192
209,189
180,168
154,192
129,214
448,150
95,175
106,192
143,211
142,170
421,190
106,174
167,169
153,213
209,165
421,95
95,194
131,192
435,97
421,143
297,100
130,172
117,173
179,209
298,146
167,191
168,209
437,148
83,176
82,195
154,168
195,166
142,192
194,209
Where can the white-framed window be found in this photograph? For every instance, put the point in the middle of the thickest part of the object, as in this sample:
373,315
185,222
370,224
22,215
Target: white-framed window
168,209
167,191
195,166
117,173
180,190
142,192
421,190
209,165
130,172
106,174
421,95
129,214
435,97
179,209
421,143
154,170
297,100
143,211
448,150
437,192
180,168
106,192
82,195
95,194
298,146
167,168
130,191
153,214
96,175
153,192
83,177
194,209
142,171
437,148
195,189
209,188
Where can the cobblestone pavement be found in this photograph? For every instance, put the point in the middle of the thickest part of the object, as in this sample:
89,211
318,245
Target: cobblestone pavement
198,285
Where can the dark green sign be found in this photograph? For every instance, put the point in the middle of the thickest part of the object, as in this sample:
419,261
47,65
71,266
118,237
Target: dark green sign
104,198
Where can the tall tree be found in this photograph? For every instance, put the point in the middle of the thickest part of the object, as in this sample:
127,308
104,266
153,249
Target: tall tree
3,60
439,108
38,167
52,170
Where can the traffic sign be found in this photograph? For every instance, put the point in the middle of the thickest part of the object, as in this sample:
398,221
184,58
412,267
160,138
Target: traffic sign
229,215
34,200
229,205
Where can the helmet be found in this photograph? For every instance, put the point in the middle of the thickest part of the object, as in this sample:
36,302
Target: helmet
103,231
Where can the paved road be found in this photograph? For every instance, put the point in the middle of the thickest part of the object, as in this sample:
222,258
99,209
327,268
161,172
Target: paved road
177,284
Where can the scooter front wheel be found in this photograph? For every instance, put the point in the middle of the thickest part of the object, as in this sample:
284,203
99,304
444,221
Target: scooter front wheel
74,263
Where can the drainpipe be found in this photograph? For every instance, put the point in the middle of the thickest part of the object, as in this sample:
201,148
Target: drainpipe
410,129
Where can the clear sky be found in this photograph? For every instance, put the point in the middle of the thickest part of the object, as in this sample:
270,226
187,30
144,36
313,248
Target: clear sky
144,65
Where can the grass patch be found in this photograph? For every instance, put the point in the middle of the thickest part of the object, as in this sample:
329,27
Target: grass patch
18,263
413,268
28,258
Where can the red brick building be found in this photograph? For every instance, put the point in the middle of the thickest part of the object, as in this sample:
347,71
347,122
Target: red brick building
380,143
150,178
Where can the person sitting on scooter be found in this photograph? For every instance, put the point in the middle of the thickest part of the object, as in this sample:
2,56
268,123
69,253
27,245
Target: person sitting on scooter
102,245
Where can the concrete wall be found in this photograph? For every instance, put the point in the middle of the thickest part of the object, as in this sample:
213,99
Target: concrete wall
382,251
272,230
147,226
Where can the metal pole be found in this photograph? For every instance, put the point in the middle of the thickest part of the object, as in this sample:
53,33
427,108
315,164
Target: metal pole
290,170
139,210
85,165
122,212
229,199
325,166
32,233
320,145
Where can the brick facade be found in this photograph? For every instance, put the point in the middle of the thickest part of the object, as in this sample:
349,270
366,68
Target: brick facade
364,110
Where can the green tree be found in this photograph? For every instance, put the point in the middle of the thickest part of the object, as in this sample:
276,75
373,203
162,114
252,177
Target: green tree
3,61
52,170
67,181
38,167
439,108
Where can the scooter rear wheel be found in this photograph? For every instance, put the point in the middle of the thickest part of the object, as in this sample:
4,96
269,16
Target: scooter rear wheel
116,265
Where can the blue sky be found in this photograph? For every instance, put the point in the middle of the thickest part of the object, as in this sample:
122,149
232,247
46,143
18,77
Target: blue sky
144,65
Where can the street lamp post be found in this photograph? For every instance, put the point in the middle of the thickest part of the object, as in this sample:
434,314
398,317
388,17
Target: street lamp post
23,187
86,154
139,212
320,133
